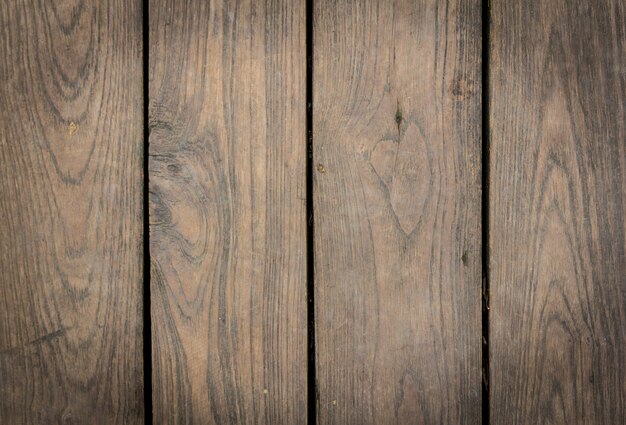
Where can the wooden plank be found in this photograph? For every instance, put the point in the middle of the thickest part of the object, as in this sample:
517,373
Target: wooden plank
227,211
558,186
70,212
397,211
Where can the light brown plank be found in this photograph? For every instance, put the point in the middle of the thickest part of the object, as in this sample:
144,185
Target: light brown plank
558,185
397,211
70,212
227,218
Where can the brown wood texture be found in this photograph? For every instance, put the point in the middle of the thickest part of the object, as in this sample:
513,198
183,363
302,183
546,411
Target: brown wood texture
558,186
70,212
227,211
397,153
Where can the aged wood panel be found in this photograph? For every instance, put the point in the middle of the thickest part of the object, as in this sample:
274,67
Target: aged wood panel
558,185
70,212
227,211
397,205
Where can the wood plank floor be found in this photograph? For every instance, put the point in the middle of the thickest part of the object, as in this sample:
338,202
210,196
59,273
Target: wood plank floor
396,144
558,186
227,211
356,212
71,109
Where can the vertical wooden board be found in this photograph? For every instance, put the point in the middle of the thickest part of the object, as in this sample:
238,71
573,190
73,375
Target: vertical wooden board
227,211
397,211
558,185
70,212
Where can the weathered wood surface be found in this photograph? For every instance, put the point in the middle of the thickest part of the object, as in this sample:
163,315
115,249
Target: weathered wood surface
227,211
558,186
70,212
397,153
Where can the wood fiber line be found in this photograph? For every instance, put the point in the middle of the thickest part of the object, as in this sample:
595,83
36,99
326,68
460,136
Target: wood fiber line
227,211
397,198
558,186
70,212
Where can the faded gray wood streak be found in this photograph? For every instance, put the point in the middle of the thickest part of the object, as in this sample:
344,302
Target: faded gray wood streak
397,211
227,217
558,185
70,212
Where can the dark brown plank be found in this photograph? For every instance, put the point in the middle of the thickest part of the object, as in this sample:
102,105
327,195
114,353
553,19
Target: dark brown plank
228,223
558,180
70,212
397,211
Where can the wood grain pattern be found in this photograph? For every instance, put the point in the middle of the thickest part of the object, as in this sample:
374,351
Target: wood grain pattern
397,211
558,186
70,212
227,211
